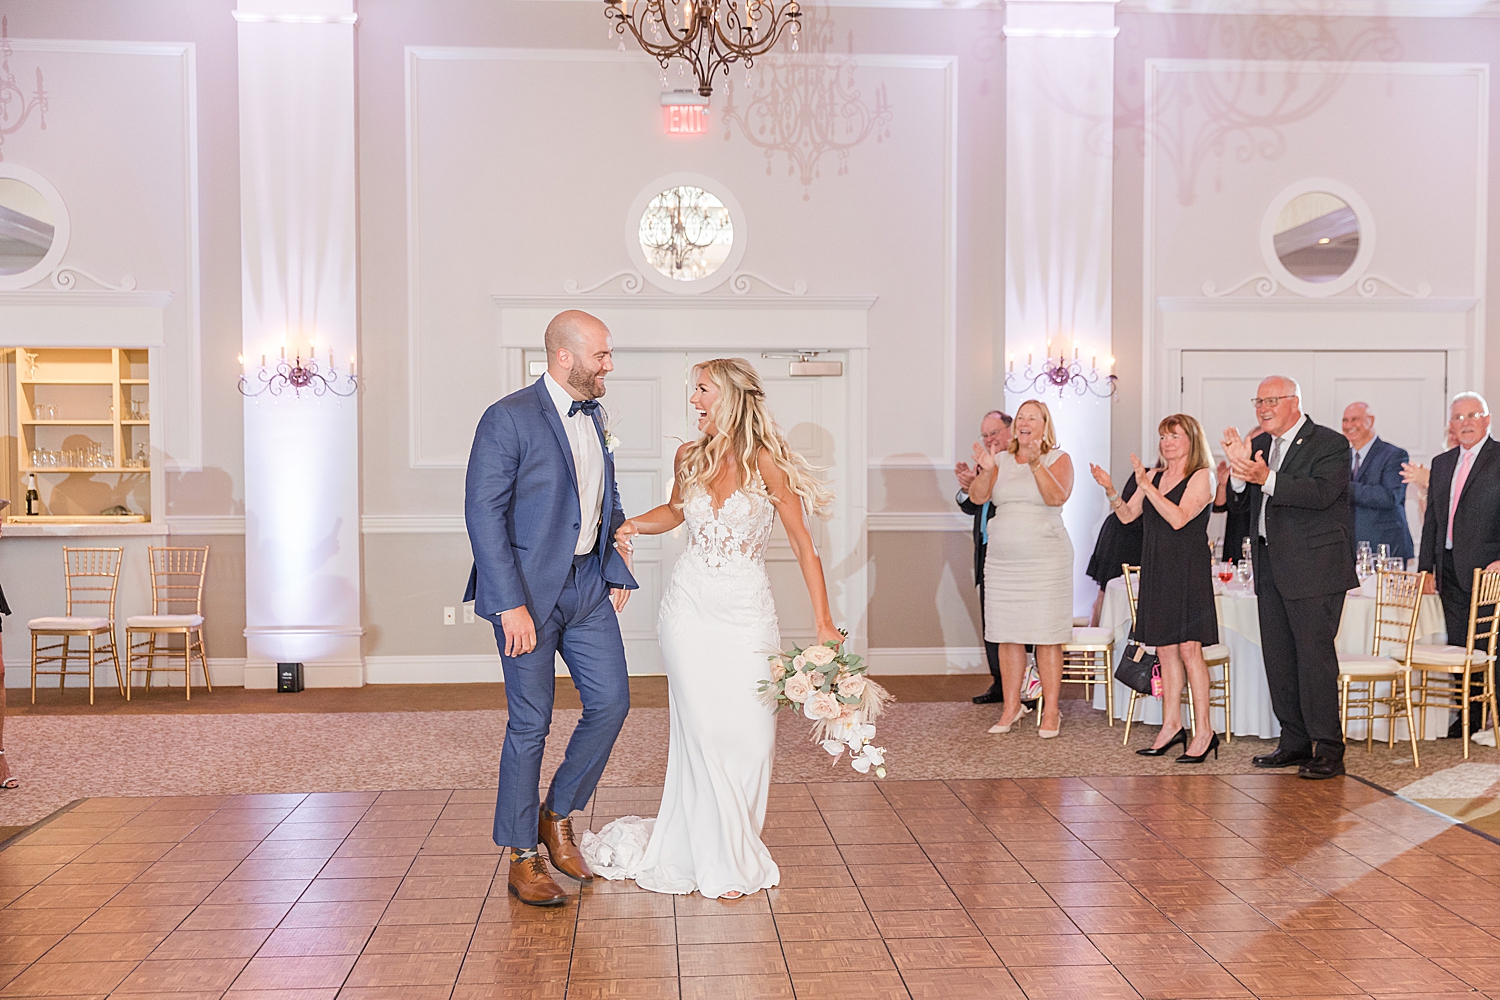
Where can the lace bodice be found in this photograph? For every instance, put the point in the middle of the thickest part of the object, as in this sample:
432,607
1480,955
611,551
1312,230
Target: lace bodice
735,534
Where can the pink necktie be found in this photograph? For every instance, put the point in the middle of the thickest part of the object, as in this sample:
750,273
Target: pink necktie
1459,478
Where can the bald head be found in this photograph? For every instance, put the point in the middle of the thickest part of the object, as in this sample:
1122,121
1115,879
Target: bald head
1278,404
1359,424
579,353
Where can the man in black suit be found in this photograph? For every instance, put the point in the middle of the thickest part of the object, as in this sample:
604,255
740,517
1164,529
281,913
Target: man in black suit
994,430
1293,478
1375,484
1462,530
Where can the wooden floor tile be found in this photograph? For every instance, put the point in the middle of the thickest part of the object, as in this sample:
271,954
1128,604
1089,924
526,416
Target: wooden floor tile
623,989
845,957
419,969
403,939
761,958
190,945
815,926
1072,981
773,987
515,965
62,979
120,946
173,975
924,924
942,953
730,928
874,985
296,942
232,917
624,962
312,972
1399,975
1046,950
945,984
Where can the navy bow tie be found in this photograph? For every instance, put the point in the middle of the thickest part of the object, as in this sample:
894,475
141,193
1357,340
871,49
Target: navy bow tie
586,405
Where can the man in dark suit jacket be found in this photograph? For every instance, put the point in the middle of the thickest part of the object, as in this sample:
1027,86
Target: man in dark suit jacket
1293,477
994,430
1462,535
1375,483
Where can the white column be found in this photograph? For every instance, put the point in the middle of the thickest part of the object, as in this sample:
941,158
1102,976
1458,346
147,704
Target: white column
1059,107
297,219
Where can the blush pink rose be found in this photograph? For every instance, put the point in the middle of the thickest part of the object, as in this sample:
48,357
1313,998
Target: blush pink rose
798,688
852,686
819,656
778,669
823,705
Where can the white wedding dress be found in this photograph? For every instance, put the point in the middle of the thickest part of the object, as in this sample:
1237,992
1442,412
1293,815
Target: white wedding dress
717,627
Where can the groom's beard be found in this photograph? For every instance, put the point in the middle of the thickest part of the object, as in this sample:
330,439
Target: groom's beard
585,382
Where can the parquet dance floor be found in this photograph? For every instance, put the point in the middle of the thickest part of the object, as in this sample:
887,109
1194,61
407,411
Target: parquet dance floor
1172,887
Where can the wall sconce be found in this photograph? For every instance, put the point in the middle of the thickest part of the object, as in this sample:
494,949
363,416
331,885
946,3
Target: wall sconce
298,376
1061,374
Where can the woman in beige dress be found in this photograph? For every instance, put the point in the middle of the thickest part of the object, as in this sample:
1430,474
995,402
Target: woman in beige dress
1028,570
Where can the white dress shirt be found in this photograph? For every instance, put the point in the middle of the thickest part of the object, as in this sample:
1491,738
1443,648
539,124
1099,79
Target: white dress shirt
1268,488
588,463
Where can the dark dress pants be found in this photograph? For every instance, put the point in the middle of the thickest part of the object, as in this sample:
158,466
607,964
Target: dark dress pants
1298,640
991,649
584,628
1455,595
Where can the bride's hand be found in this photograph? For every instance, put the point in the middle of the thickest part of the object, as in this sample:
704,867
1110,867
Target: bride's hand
827,633
624,536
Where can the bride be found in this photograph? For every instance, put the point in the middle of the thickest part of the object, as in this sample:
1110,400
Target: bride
717,627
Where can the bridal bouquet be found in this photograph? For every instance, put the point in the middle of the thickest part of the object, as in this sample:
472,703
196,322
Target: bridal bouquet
830,687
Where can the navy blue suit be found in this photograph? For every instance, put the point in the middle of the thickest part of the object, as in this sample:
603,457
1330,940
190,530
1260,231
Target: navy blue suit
521,507
1378,497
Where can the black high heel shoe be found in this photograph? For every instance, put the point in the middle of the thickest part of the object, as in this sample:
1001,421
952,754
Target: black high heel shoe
1213,744
1161,751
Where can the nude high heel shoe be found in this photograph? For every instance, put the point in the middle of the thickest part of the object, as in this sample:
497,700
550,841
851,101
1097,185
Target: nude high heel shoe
1050,734
1005,728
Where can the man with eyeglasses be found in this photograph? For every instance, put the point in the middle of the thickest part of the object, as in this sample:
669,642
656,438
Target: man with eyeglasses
1461,532
994,431
1293,480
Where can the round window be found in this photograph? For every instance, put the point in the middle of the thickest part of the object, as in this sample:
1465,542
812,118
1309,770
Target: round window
1316,236
27,226
686,233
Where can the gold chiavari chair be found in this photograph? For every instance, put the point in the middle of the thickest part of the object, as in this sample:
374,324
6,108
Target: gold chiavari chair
177,575
1089,660
1461,666
1132,576
1398,597
92,576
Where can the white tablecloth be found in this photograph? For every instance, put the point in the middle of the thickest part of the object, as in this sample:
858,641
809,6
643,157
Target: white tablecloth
1239,629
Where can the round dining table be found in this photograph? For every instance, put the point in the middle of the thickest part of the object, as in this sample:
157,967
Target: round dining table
1239,629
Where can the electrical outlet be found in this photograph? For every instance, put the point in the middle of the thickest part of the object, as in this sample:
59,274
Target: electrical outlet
468,614
449,618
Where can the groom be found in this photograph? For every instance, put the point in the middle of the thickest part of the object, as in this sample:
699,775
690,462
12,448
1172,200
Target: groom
542,507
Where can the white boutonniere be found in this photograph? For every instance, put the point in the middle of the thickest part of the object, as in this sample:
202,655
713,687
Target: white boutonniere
610,441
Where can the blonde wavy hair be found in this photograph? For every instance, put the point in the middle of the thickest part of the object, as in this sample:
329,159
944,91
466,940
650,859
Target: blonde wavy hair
1049,431
745,427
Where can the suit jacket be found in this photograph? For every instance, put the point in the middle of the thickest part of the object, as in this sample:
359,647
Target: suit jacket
1476,522
981,512
1308,525
521,507
1380,499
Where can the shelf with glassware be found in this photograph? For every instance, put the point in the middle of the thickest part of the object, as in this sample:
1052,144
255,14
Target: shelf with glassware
83,421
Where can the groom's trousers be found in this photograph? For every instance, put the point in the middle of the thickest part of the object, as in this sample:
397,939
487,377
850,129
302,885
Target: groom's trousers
584,628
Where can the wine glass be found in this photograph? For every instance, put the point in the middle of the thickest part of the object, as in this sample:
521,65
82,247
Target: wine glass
1226,571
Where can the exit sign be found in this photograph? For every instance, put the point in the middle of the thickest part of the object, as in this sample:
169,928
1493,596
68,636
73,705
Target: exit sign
686,119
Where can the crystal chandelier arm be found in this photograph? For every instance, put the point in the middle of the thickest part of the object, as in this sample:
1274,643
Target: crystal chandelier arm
645,12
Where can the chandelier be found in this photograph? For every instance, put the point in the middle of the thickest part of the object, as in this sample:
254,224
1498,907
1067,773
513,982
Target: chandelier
16,105
708,35
1061,374
298,376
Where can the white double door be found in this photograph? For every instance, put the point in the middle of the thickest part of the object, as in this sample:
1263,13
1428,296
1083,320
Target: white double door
1406,391
648,411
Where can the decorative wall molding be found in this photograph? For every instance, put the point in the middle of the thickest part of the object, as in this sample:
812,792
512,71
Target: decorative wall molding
1306,8
1367,287
739,284
920,520
206,524
631,285
1292,303
183,452
413,524
909,660
737,301
67,278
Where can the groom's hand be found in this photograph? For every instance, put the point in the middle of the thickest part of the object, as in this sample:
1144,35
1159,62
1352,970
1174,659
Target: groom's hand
520,631
618,596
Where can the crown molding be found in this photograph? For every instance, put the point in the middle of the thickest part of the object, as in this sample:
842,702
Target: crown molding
1308,8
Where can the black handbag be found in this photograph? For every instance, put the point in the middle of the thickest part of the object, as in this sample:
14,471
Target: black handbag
1139,669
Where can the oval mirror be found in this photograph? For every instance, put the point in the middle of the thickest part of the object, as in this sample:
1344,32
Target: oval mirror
27,226
1317,236
686,233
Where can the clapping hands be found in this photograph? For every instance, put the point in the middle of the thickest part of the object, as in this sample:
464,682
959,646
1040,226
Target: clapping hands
1242,465
1415,474
1103,479
982,458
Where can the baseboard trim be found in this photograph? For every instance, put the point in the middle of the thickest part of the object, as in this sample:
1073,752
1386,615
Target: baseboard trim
919,660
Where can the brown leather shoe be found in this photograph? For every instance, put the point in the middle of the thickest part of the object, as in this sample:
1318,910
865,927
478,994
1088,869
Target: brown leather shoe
531,884
556,833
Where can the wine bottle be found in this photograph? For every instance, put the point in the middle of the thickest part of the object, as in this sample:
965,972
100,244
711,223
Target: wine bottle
33,498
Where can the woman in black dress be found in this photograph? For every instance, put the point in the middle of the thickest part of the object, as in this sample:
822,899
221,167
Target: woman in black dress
1175,610
1118,543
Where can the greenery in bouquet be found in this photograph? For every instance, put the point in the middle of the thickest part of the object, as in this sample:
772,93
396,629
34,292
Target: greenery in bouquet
831,689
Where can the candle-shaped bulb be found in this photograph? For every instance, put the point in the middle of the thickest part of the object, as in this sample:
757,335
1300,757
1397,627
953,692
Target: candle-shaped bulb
283,352
263,359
